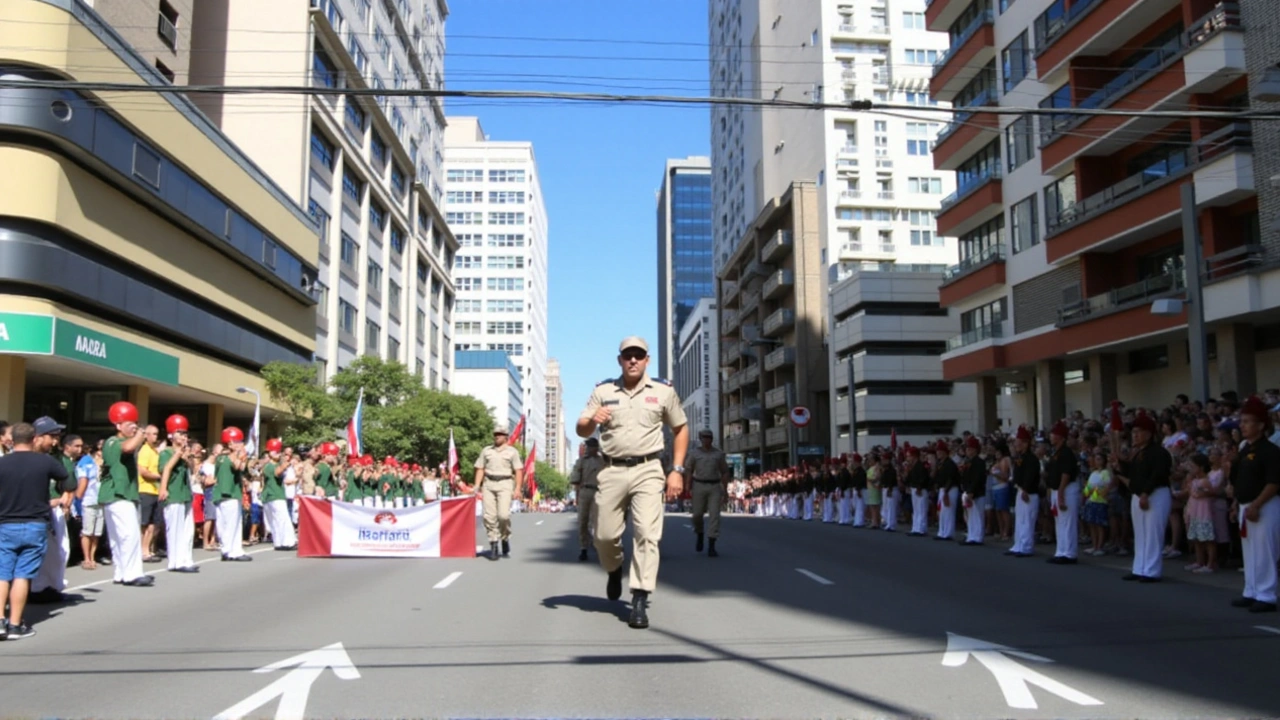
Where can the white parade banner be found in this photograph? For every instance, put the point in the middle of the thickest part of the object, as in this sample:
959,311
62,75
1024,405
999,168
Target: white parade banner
444,528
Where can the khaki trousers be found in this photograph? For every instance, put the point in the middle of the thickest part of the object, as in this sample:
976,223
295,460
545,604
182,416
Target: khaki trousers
707,498
496,499
641,490
586,515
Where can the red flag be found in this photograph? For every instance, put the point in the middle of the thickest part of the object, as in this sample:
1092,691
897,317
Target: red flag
893,440
515,434
1117,423
530,469
453,458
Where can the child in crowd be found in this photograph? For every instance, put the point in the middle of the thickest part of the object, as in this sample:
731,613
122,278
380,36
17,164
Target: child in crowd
1199,514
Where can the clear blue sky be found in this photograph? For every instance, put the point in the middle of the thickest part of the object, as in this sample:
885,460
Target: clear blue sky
600,164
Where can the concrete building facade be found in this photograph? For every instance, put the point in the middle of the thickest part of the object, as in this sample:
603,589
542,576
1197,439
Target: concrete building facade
697,371
367,167
494,204
144,256
888,328
1056,279
554,451
684,251
492,378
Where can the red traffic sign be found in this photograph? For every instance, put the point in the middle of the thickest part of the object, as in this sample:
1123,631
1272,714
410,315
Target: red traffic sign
799,416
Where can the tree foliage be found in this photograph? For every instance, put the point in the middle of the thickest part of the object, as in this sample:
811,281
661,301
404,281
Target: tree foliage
401,417
550,482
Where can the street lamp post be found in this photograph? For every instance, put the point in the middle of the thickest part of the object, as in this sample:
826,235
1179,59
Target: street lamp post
257,410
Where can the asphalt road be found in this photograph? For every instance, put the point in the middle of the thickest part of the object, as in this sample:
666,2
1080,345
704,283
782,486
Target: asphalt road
862,632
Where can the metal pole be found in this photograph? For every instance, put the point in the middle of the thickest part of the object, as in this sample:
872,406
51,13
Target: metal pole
853,412
791,426
1192,264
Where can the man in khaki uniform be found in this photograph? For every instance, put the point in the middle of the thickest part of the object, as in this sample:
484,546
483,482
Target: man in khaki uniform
499,475
630,412
584,481
710,472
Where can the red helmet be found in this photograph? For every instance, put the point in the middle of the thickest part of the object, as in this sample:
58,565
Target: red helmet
122,412
275,445
232,435
414,467
366,459
390,461
176,424
353,459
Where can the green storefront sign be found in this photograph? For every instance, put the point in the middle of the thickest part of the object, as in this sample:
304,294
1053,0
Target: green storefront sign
45,335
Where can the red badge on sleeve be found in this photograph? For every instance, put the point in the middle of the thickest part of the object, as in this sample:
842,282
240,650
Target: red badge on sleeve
651,401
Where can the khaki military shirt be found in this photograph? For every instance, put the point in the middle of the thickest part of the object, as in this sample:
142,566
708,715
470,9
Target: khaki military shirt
706,464
307,481
585,471
635,428
499,463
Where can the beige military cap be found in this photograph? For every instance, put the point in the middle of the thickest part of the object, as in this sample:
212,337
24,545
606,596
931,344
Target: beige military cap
633,342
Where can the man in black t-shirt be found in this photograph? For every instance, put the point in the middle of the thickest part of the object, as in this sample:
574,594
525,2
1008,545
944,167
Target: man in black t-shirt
24,517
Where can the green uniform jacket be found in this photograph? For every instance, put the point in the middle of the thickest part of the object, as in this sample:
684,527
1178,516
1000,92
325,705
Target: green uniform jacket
119,479
272,487
354,489
324,480
179,483
226,485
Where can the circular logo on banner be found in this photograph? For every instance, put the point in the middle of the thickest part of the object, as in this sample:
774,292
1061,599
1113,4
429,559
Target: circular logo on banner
385,518
800,416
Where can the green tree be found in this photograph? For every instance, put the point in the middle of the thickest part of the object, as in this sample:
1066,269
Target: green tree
311,410
550,481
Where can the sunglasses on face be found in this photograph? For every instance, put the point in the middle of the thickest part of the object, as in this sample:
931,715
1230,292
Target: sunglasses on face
634,356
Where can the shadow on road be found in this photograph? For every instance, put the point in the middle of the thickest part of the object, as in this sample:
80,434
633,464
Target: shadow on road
587,603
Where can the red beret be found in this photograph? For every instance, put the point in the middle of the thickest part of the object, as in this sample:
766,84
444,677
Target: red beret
1060,429
942,447
1024,433
857,458
1144,422
913,452
1255,408
973,442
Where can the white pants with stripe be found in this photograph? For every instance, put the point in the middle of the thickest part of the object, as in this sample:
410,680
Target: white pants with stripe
124,535
947,515
859,509
230,528
1025,513
1066,521
889,509
53,569
282,533
1148,532
179,534
919,511
1261,544
974,518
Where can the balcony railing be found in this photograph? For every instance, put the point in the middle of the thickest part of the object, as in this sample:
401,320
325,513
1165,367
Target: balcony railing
1143,69
733,413
884,195
777,397
730,352
750,375
783,356
1055,21
970,184
777,282
984,18
856,248
778,245
750,301
982,99
848,149
884,163
781,318
733,382
987,256
775,436
1121,298
975,336
846,163
728,321
1233,262
728,290
850,195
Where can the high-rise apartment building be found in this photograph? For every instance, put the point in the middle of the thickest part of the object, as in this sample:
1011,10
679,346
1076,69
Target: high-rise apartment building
878,189
1056,278
491,377
684,251
494,205
143,256
367,167
697,372
553,453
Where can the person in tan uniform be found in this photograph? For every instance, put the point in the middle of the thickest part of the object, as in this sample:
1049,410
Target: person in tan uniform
630,413
583,477
710,474
499,476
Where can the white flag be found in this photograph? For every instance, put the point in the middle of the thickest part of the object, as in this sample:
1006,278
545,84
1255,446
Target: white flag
251,443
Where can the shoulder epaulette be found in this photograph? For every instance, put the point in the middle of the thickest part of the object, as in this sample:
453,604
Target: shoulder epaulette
606,381
664,381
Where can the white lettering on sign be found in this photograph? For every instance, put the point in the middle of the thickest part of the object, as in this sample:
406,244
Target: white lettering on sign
89,346
4,332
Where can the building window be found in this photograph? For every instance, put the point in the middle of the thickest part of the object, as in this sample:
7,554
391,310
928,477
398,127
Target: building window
913,21
420,325
348,250
505,284
377,217
464,197
346,316
371,336
393,348
352,187
1059,196
506,197
373,276
925,185
168,28
1024,228
397,181
467,327
323,71
470,240
464,218
465,284
986,316
377,148
470,305
464,175
505,327
506,262
506,218
499,306
468,262
920,57
1014,61
917,138
321,149
924,238
982,241
509,240
506,176
1019,142
397,240
165,71
393,295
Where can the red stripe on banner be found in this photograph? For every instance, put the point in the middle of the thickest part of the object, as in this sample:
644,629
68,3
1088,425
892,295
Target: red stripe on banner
315,527
458,527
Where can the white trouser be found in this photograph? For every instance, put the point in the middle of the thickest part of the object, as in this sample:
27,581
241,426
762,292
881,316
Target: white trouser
919,511
179,534
1148,532
282,534
230,528
826,509
1261,545
1025,513
974,517
889,508
846,507
124,535
859,509
807,499
53,569
1066,521
397,502
947,515
419,502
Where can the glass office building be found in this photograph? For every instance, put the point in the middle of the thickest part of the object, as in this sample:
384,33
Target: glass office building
684,251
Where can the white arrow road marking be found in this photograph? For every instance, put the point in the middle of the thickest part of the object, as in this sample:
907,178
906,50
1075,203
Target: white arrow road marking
1012,677
539,522
1268,628
814,577
292,689
448,580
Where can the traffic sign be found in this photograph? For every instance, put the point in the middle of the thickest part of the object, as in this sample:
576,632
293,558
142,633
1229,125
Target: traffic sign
800,416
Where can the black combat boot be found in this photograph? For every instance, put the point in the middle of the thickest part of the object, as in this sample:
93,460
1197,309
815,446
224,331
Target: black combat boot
639,610
711,549
613,590
493,551
582,555
697,547
506,548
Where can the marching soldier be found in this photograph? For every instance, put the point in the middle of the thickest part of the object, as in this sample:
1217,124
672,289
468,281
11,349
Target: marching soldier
118,495
1254,486
630,411
973,478
946,476
844,489
1146,474
858,484
710,472
175,493
888,477
1064,495
585,484
228,472
1026,479
274,504
499,476
918,481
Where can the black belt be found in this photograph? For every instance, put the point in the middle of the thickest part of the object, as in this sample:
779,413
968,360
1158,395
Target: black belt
496,479
590,487
631,461
713,480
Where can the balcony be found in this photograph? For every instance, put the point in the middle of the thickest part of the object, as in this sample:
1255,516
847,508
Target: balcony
972,275
730,352
1120,299
867,252
782,357
733,413
1091,28
1147,203
849,77
973,337
1202,60
733,382
967,132
777,397
780,320
940,15
746,442
869,31
749,375
970,51
977,198
728,321
850,197
776,436
750,301
846,164
728,290
756,268
778,246
848,150
779,283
